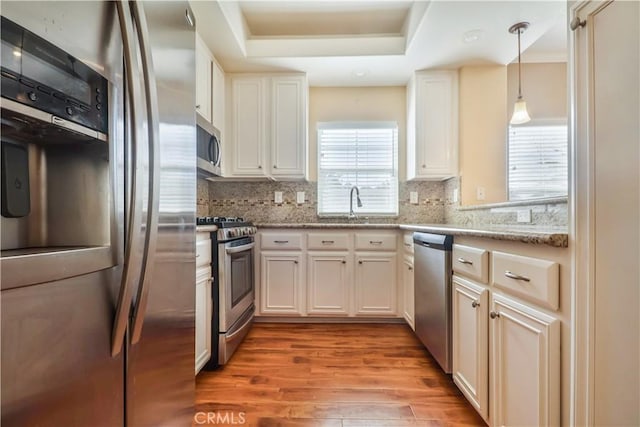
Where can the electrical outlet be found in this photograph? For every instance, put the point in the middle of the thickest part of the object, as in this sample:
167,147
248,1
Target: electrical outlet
456,195
413,197
277,197
480,193
300,197
524,215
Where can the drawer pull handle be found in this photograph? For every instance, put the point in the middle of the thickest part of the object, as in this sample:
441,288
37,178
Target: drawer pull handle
328,242
514,276
475,304
280,241
494,314
465,261
375,242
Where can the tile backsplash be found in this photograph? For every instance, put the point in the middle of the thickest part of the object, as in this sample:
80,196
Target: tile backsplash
255,201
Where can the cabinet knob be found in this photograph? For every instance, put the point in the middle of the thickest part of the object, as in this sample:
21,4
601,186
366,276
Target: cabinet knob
424,166
360,262
295,262
275,166
259,166
344,262
410,268
197,107
494,314
475,304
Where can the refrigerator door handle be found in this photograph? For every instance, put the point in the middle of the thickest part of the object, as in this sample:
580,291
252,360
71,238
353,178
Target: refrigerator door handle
151,232
131,268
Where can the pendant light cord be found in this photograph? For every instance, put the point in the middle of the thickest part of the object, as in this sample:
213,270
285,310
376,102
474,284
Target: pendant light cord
519,68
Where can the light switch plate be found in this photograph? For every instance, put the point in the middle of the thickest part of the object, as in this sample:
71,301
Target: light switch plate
480,193
413,197
300,197
524,215
277,197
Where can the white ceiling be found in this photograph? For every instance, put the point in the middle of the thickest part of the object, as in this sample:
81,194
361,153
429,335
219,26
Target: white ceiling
376,43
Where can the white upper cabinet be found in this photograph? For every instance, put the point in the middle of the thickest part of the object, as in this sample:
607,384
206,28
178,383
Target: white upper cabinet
289,127
217,97
248,124
203,79
432,125
268,126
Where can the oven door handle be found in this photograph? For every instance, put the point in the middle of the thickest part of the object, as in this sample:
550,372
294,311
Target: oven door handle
236,249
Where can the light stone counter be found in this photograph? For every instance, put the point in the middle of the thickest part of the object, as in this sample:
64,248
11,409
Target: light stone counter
556,237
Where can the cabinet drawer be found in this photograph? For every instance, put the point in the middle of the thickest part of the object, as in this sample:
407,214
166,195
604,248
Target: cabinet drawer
407,242
536,280
202,274
471,262
376,242
281,241
328,241
203,252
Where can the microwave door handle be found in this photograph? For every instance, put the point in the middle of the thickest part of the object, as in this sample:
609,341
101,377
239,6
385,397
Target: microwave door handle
151,232
131,270
243,248
219,151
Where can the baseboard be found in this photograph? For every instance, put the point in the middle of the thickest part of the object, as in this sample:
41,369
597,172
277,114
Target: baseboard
269,319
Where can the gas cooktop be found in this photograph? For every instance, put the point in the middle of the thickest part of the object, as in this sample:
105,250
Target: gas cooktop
223,221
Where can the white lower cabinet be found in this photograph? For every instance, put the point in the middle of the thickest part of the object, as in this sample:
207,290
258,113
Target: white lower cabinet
470,337
525,356
204,307
408,291
328,283
375,284
282,277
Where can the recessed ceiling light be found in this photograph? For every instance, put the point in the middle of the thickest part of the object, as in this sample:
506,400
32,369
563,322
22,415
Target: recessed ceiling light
360,73
472,36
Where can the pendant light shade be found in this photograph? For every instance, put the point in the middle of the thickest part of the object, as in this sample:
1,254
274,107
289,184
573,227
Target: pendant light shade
520,113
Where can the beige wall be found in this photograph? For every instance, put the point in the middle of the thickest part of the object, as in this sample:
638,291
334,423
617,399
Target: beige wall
483,121
328,104
544,87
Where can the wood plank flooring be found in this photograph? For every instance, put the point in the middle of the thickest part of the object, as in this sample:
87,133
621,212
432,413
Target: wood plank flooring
331,375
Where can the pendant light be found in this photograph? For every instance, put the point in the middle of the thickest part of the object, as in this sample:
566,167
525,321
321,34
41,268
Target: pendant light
520,113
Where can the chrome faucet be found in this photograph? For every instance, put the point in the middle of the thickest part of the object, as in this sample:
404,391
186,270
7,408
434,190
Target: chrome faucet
352,214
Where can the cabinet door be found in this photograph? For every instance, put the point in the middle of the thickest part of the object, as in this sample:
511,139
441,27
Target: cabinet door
248,122
289,127
281,283
525,365
203,79
436,121
408,292
375,284
203,317
328,284
470,340
217,97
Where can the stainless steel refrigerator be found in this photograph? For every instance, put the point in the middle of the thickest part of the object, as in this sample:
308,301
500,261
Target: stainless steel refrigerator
98,214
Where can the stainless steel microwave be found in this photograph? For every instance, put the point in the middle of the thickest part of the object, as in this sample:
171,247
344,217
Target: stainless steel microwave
209,150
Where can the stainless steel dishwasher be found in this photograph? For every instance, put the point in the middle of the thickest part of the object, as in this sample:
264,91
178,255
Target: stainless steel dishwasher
432,276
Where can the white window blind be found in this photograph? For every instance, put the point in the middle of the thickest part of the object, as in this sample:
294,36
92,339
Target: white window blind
360,154
538,160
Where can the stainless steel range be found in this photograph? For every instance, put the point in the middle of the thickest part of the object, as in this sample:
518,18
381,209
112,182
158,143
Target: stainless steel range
233,285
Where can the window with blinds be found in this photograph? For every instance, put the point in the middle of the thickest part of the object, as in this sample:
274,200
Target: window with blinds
360,154
538,160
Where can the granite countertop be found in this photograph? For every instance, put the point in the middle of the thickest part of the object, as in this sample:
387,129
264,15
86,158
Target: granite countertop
556,237
206,228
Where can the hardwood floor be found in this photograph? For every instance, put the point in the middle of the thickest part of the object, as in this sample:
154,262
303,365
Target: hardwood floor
331,375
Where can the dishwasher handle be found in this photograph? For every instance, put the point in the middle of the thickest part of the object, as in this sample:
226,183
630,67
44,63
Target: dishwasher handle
433,241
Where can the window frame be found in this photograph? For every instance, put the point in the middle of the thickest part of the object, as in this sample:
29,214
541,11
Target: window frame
375,124
534,123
